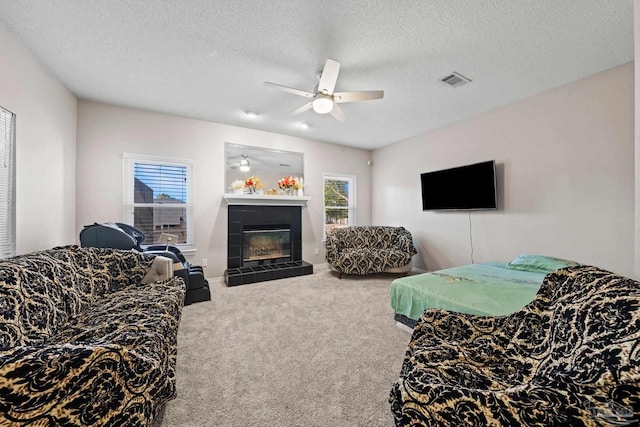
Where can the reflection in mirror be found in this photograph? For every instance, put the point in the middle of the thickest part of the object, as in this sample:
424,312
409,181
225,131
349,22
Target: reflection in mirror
242,161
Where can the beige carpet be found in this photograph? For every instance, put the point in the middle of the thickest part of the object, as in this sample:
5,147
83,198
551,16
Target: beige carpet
306,351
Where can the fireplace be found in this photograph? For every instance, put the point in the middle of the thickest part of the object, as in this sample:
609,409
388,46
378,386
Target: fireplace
264,243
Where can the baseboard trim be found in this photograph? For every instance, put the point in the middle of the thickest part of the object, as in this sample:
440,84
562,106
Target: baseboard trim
321,266
404,327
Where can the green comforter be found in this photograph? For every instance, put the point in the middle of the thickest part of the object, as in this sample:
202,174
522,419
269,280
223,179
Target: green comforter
487,289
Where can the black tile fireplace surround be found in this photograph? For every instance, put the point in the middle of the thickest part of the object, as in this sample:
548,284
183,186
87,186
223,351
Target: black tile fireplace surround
243,217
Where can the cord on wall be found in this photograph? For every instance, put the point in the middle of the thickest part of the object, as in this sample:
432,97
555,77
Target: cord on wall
470,238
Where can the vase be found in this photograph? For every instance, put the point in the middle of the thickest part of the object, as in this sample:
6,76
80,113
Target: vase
300,192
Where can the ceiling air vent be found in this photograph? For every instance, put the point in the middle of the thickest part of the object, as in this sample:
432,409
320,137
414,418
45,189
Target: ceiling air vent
455,80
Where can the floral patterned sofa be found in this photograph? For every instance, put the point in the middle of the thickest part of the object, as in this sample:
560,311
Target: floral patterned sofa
366,250
87,337
570,357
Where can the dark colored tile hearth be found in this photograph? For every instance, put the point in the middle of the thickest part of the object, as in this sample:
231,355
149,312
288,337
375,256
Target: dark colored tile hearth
262,273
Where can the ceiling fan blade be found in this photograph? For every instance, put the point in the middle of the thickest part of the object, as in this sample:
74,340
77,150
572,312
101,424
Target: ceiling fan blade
291,90
302,109
365,95
329,76
337,112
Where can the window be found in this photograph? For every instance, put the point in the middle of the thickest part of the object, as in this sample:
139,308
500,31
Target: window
158,198
7,183
339,201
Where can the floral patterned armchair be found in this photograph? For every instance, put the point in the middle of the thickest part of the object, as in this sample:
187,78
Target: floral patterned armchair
570,357
365,250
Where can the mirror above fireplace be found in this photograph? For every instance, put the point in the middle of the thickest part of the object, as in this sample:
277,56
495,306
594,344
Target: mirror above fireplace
243,161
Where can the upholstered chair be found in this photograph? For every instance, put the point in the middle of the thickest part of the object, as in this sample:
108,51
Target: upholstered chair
570,357
363,250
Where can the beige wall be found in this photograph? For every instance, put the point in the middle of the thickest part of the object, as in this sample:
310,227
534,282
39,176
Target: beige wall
566,170
565,175
45,147
106,132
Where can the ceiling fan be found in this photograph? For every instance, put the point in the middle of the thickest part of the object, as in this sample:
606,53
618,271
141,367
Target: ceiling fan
325,100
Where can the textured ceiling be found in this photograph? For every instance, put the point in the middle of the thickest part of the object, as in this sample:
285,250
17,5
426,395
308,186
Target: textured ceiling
208,59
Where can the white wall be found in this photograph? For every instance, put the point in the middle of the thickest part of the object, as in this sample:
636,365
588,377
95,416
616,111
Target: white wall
105,132
566,170
565,175
45,147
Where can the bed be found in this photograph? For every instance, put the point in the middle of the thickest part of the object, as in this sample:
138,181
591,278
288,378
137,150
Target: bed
486,289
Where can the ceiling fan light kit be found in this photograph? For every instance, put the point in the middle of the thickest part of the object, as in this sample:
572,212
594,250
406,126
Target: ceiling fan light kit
324,99
322,104
244,164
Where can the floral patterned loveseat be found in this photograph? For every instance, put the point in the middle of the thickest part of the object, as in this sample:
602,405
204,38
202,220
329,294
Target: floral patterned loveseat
83,341
569,358
366,250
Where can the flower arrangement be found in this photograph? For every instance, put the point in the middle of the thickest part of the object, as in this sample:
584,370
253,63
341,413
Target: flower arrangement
286,183
253,184
290,184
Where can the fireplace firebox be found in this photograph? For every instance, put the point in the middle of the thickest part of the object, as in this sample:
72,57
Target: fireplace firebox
266,246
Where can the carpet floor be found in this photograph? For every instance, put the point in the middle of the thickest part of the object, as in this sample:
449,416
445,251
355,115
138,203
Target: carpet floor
306,351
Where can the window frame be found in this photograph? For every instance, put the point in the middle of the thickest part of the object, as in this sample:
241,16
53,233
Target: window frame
8,242
130,160
351,208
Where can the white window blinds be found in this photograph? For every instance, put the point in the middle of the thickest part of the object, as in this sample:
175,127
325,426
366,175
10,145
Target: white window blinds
158,197
7,184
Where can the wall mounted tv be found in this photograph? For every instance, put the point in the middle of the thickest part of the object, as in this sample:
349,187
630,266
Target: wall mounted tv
461,188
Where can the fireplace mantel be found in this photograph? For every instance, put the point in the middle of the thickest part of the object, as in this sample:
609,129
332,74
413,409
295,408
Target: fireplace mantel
262,200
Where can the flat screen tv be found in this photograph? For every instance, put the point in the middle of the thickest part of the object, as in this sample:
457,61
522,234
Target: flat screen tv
461,188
